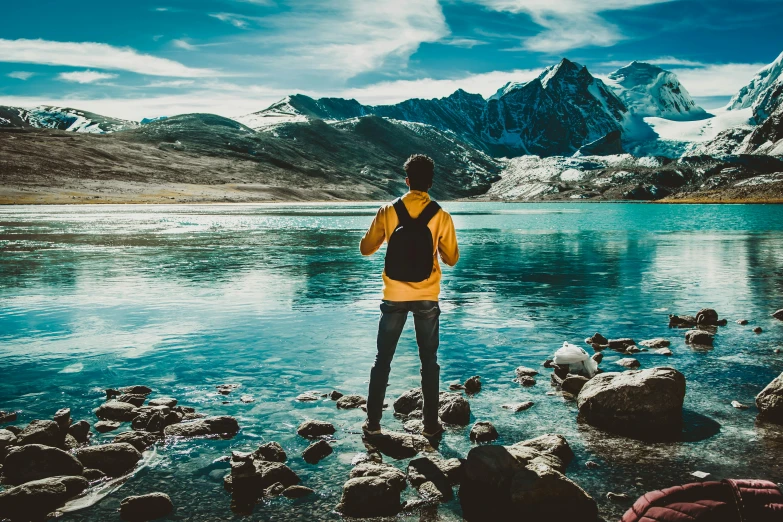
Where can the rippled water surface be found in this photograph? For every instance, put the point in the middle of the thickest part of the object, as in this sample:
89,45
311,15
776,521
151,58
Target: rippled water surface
277,298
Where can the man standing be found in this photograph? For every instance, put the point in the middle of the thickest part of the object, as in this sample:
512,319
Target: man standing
416,230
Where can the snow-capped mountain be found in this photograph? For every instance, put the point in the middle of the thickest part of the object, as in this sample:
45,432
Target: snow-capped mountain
648,90
62,118
763,94
556,113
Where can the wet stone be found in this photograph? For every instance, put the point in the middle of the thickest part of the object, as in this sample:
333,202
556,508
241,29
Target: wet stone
106,426
334,395
225,389
7,416
164,401
524,371
525,380
317,451
145,507
80,431
63,419
348,402
629,362
308,397
699,337
520,406
473,385
315,428
138,389
44,432
297,491
134,399
483,431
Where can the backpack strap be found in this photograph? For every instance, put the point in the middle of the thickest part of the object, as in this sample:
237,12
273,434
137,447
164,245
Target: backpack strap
402,213
428,213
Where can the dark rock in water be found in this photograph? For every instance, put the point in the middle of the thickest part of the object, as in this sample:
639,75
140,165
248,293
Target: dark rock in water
483,431
591,465
106,426
334,395
550,444
620,344
250,476
629,362
682,321
131,398
136,390
308,397
387,472
7,416
366,497
274,490
561,371
456,387
225,389
757,330
634,401
454,409
549,363
63,419
35,500
598,357
155,418
140,440
398,445
778,315
597,339
573,384
742,322
145,507
297,492
525,380
116,411
315,428
524,371
316,451
223,426
44,432
722,322
707,316
164,401
520,406
663,351
433,468
111,393
80,431
409,401
271,451
36,461
655,343
473,385
93,475
770,401
114,459
348,402
699,337
556,380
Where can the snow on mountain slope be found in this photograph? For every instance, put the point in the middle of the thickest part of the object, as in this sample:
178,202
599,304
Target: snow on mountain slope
763,94
62,118
648,90
699,130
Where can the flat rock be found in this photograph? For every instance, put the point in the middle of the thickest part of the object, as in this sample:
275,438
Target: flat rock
519,406
35,500
699,337
524,371
137,389
297,492
770,401
141,440
348,402
106,426
628,362
115,410
80,431
163,401
44,432
573,384
620,344
408,402
454,409
115,459
312,428
483,431
317,451
36,461
145,507
655,343
132,398
222,426
473,385
398,445
308,397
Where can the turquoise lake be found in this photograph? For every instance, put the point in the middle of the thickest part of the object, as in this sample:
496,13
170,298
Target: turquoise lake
278,299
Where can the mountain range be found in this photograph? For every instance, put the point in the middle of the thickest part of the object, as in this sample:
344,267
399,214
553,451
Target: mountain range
565,111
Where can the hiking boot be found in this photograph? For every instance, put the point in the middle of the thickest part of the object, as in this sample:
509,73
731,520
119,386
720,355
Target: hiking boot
371,428
430,432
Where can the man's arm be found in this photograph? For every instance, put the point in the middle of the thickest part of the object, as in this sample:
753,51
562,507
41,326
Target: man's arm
375,235
447,244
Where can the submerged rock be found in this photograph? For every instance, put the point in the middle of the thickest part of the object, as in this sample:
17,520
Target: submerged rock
297,492
770,401
145,507
35,500
634,400
223,426
742,322
699,337
473,385
483,431
684,321
520,406
115,459
316,451
115,410
36,461
349,402
44,432
454,409
315,428
655,343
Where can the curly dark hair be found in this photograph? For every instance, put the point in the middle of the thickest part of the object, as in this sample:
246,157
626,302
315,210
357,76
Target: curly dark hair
420,170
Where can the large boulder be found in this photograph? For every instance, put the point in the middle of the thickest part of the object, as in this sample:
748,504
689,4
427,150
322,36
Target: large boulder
34,500
707,317
634,401
141,440
573,384
317,451
80,431
271,451
770,401
223,426
312,428
483,431
454,409
115,459
114,410
699,337
145,507
550,444
387,472
36,461
369,496
434,476
408,402
7,439
46,432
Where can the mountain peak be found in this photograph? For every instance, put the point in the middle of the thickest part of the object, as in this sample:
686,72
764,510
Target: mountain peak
563,70
763,91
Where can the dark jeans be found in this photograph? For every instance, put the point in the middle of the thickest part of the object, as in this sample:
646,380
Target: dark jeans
426,320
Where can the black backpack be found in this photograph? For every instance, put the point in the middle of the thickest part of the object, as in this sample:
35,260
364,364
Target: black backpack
409,254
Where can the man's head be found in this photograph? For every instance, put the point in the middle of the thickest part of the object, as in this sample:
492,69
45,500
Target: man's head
419,170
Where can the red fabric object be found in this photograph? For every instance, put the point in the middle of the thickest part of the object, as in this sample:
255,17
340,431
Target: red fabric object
726,501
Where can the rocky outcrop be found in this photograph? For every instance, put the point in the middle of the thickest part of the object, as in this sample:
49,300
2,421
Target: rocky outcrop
373,490
34,500
454,409
115,459
36,461
483,431
44,432
316,451
770,401
312,428
145,507
634,401
223,426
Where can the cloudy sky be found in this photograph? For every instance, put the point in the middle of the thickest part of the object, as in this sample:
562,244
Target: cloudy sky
143,58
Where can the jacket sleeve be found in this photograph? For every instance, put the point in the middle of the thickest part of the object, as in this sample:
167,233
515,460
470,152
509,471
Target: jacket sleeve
447,243
375,235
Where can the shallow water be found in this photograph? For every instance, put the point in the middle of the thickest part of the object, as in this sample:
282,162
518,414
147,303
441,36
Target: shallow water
277,298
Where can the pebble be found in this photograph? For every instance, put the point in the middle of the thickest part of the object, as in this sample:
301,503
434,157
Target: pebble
739,405
742,322
247,399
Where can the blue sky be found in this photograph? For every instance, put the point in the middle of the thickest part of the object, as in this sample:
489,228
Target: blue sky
143,58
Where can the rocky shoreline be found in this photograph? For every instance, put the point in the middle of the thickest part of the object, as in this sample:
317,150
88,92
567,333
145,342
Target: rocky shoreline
49,462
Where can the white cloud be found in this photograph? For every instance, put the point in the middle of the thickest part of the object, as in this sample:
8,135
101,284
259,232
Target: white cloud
98,55
717,79
670,61
21,75
183,44
170,84
237,20
467,43
85,76
569,24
